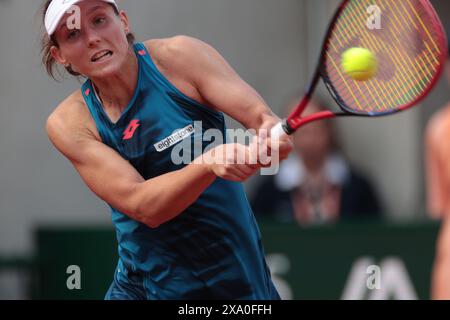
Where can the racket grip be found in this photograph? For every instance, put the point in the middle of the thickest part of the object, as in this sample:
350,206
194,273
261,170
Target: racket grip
277,131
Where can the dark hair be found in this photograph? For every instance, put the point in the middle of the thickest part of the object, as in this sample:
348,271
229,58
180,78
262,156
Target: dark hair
48,42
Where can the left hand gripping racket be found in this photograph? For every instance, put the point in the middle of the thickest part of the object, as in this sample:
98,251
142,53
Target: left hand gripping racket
409,43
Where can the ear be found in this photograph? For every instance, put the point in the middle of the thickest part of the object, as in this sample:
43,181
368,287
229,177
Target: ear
59,58
125,21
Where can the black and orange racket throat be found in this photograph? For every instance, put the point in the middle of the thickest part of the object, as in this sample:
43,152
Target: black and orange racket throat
409,43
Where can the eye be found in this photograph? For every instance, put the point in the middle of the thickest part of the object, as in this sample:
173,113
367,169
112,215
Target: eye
73,34
99,20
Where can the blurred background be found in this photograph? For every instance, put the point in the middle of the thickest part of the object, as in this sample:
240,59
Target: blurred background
49,220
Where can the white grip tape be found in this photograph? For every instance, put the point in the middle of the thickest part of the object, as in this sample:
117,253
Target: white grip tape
277,131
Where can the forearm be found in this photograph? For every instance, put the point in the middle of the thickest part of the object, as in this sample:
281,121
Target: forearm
163,198
260,117
255,114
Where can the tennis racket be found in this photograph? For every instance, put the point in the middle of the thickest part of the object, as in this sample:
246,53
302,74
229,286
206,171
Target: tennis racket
409,43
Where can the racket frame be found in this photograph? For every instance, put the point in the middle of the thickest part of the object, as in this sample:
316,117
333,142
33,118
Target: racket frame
294,121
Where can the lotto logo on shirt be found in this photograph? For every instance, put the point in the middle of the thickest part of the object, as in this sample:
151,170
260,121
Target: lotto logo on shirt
131,129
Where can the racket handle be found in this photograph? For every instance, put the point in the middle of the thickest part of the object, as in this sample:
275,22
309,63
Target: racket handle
278,130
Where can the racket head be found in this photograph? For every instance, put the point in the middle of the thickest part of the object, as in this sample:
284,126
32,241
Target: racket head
410,47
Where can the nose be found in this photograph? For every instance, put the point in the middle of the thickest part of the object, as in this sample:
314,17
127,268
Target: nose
92,38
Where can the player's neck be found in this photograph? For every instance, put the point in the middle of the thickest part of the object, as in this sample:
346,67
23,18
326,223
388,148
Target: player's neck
116,91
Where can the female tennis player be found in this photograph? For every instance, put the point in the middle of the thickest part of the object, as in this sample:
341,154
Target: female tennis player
185,231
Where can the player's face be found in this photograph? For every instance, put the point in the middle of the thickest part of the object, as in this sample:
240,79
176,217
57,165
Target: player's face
99,47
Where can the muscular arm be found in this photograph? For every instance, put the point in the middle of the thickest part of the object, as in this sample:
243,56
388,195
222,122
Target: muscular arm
199,67
114,180
219,85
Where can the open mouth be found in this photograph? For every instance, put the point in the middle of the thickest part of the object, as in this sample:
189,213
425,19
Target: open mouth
101,55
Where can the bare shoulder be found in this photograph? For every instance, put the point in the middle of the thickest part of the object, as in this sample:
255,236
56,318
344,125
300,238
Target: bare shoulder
178,50
71,123
185,62
177,44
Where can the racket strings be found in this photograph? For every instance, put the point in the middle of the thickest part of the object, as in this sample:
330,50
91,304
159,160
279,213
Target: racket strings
409,48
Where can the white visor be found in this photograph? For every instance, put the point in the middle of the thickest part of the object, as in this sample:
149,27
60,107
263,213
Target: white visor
57,9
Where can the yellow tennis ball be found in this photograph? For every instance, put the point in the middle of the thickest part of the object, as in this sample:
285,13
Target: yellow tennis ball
359,64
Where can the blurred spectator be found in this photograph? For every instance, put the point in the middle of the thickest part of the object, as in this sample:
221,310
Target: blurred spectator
437,161
316,184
